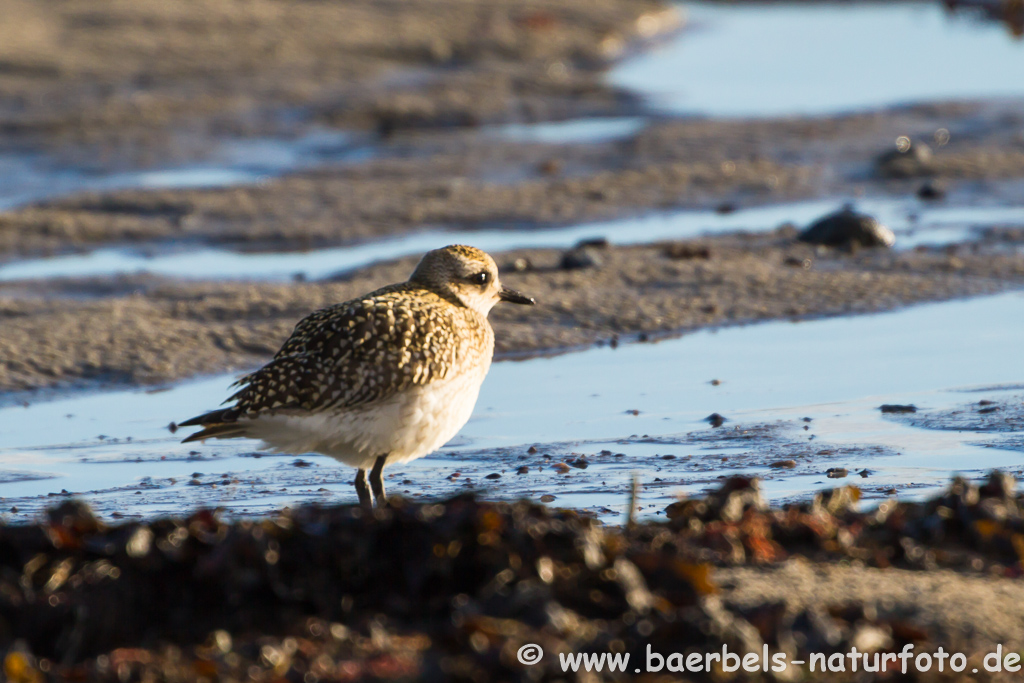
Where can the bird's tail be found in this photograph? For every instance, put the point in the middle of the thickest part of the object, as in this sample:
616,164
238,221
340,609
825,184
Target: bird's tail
217,424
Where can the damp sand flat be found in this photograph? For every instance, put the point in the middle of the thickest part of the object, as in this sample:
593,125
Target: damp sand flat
577,409
915,222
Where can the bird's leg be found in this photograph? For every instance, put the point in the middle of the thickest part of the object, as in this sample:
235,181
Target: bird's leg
363,490
377,480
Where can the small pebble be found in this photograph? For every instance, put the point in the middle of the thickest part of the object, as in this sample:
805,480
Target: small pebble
550,167
715,420
579,259
685,251
848,228
493,475
547,498
931,191
836,472
896,408
783,464
907,160
522,265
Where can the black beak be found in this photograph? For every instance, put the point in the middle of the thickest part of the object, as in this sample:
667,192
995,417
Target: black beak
514,297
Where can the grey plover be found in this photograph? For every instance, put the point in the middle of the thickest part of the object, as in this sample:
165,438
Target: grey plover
384,378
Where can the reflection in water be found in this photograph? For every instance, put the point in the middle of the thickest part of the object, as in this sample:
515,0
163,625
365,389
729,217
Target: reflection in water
779,59
115,446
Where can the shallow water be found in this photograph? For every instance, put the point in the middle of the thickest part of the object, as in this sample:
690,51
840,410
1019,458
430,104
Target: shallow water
572,131
33,177
784,59
836,372
914,222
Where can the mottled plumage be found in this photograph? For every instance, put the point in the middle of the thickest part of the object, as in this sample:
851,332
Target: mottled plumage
387,377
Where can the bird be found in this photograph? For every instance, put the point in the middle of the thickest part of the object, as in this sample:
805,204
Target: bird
378,380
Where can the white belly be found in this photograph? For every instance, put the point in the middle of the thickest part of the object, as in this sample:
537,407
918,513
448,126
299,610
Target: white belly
406,426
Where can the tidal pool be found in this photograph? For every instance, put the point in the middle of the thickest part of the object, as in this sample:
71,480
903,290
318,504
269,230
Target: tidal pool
605,413
812,59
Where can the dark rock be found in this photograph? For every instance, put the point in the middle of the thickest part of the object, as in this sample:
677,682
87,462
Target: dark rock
794,262
592,242
836,472
715,420
931,191
684,251
908,160
847,228
493,475
896,408
580,258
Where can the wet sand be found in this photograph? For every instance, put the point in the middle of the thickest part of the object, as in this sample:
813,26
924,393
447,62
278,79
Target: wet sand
465,179
141,80
148,330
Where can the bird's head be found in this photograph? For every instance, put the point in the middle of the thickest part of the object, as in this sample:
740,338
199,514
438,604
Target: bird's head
468,274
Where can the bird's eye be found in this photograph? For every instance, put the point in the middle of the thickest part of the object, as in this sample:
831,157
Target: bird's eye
480,278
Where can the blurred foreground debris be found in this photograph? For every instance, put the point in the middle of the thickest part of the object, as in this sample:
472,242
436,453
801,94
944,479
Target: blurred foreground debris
451,590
